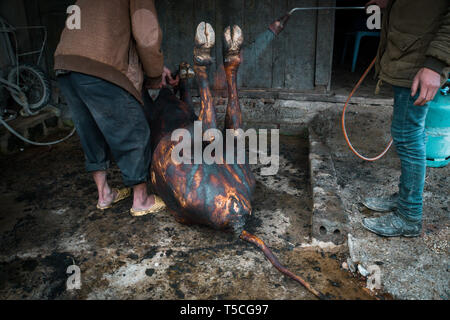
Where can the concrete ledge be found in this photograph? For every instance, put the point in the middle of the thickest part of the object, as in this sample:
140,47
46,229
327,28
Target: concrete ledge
329,219
292,117
313,96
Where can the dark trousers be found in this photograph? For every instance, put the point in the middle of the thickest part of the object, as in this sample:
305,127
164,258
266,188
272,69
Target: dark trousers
110,123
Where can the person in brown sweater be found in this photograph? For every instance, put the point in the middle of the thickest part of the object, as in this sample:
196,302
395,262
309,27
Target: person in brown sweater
100,69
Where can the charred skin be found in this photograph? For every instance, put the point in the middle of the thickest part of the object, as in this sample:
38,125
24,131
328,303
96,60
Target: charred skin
186,73
168,114
207,110
233,40
216,195
204,42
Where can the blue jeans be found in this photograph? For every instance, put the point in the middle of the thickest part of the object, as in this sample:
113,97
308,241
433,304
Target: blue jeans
408,132
111,124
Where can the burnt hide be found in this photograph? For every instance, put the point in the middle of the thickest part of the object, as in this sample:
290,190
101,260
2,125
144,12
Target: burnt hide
218,194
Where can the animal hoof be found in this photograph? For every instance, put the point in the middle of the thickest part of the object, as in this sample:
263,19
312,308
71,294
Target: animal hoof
186,71
204,41
205,36
233,40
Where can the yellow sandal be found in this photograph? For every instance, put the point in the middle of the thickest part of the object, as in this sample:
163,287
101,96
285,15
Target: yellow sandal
158,206
121,194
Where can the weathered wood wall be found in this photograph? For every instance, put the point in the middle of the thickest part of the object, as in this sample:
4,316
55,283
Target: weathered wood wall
299,59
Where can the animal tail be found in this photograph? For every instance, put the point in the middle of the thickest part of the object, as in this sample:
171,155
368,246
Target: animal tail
271,257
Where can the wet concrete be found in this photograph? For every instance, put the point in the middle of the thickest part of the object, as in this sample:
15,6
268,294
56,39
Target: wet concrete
48,221
409,268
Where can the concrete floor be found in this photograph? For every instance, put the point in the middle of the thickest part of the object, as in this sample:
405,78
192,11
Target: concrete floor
410,268
48,221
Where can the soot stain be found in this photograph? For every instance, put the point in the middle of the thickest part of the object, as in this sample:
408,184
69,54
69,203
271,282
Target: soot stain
58,261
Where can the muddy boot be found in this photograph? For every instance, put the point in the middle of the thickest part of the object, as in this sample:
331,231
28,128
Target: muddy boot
381,204
393,225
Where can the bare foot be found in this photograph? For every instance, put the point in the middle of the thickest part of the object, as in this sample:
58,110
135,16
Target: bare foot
143,203
106,198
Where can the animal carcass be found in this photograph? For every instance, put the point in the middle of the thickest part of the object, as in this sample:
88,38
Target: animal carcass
216,195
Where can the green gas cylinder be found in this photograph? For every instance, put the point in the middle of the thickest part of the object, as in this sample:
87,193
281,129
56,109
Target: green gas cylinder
437,128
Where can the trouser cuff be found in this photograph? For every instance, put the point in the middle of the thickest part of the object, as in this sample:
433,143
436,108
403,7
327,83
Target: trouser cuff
91,167
133,182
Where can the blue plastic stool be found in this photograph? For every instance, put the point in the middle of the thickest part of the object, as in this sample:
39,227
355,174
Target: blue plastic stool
358,35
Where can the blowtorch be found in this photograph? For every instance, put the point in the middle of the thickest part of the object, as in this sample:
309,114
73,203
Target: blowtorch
278,25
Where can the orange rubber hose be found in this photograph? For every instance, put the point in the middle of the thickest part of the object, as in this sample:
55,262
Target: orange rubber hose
343,119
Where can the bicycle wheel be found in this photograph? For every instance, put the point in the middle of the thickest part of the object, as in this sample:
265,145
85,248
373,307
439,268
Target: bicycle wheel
33,83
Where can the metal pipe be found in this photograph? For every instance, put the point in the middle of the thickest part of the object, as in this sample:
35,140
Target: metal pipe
278,25
326,8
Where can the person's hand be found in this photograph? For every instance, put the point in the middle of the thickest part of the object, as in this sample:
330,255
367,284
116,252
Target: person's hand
167,77
381,3
175,81
429,82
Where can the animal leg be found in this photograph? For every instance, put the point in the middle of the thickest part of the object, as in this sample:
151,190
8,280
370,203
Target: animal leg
204,41
186,73
233,40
